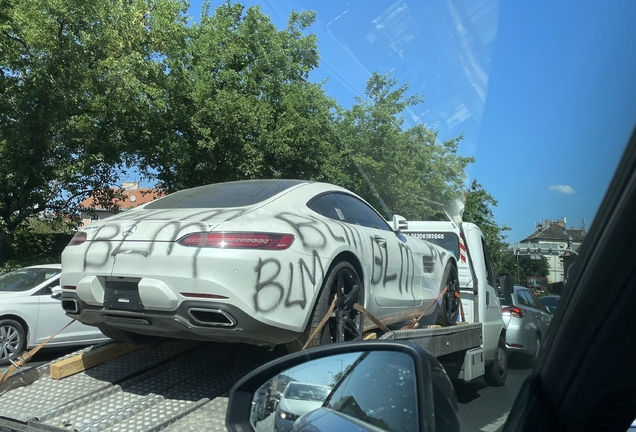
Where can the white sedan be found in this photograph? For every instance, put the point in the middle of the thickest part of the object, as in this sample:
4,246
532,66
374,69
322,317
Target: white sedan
256,261
30,312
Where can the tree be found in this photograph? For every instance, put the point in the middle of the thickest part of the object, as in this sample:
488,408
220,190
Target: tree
409,168
239,104
522,266
478,210
77,81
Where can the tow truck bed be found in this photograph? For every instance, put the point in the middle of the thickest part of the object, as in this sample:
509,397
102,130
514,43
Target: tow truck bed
172,385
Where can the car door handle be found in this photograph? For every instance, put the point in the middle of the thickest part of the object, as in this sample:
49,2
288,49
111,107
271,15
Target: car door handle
380,241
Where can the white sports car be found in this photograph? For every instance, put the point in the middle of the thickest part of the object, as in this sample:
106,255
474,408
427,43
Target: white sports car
30,312
256,261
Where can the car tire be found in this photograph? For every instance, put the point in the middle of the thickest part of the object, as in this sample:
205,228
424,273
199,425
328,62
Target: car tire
497,371
126,336
449,308
537,349
12,340
346,323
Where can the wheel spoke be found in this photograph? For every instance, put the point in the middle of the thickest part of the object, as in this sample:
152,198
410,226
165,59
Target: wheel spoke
4,354
352,297
3,332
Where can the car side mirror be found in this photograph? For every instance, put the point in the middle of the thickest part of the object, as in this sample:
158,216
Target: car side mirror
56,291
551,309
506,285
391,385
399,223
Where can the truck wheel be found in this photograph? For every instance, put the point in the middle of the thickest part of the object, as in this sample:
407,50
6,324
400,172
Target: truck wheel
497,371
12,340
126,336
345,323
449,310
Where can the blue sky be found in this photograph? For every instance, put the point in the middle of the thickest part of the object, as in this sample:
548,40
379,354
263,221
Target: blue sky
544,93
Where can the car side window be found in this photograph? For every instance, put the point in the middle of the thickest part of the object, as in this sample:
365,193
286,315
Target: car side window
360,212
379,390
523,301
527,297
537,303
327,205
47,289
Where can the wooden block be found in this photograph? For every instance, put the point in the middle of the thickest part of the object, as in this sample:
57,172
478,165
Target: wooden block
434,326
89,359
369,336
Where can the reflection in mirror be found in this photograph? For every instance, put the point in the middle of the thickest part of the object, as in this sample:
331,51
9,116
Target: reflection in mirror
370,390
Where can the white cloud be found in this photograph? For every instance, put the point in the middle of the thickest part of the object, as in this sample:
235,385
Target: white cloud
562,188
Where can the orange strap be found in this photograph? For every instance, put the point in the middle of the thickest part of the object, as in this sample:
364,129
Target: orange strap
23,358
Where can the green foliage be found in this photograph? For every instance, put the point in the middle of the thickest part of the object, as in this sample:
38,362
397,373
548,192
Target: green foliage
521,267
240,103
409,168
90,88
77,84
30,247
478,210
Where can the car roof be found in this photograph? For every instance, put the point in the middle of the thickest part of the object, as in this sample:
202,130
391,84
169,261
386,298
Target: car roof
51,266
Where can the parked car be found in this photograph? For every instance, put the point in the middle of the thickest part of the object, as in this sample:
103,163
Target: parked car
526,320
30,312
298,399
256,261
550,303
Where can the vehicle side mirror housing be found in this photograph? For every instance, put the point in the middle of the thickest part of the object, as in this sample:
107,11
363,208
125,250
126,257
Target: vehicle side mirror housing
337,386
399,223
56,291
506,285
551,309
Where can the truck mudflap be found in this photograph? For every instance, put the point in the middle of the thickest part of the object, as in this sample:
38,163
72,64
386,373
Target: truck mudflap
171,385
441,341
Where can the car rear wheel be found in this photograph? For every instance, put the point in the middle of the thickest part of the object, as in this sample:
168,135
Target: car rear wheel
345,323
449,310
12,340
537,349
126,336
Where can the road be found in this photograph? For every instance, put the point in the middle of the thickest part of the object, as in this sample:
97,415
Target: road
485,409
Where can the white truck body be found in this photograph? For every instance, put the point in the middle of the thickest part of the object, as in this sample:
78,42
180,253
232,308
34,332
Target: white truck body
478,286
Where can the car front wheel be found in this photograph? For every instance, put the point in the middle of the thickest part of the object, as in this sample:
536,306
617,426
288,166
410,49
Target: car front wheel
12,340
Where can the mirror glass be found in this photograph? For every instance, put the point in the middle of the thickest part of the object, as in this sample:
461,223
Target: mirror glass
368,390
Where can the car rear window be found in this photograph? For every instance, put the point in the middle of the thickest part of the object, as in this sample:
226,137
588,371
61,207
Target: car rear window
506,299
447,240
224,195
550,301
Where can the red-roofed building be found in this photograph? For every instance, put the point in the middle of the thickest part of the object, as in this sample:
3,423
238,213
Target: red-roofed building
134,196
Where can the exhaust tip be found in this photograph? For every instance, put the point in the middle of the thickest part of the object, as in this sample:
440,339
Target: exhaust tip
70,306
211,317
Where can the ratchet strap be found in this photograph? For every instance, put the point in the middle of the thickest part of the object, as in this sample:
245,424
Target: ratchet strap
321,324
415,321
23,358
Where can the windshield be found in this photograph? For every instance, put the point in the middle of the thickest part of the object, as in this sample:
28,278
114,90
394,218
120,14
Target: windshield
25,279
514,114
224,195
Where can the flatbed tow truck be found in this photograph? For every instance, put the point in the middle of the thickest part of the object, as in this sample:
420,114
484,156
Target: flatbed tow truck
172,385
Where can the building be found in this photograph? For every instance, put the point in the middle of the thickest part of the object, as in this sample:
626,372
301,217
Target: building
552,232
134,196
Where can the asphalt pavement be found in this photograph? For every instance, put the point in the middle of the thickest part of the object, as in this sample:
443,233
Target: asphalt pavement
485,409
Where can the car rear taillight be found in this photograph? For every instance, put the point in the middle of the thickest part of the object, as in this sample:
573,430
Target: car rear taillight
78,239
514,311
238,240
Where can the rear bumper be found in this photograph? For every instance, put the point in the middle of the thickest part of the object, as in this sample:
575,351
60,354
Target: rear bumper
188,321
